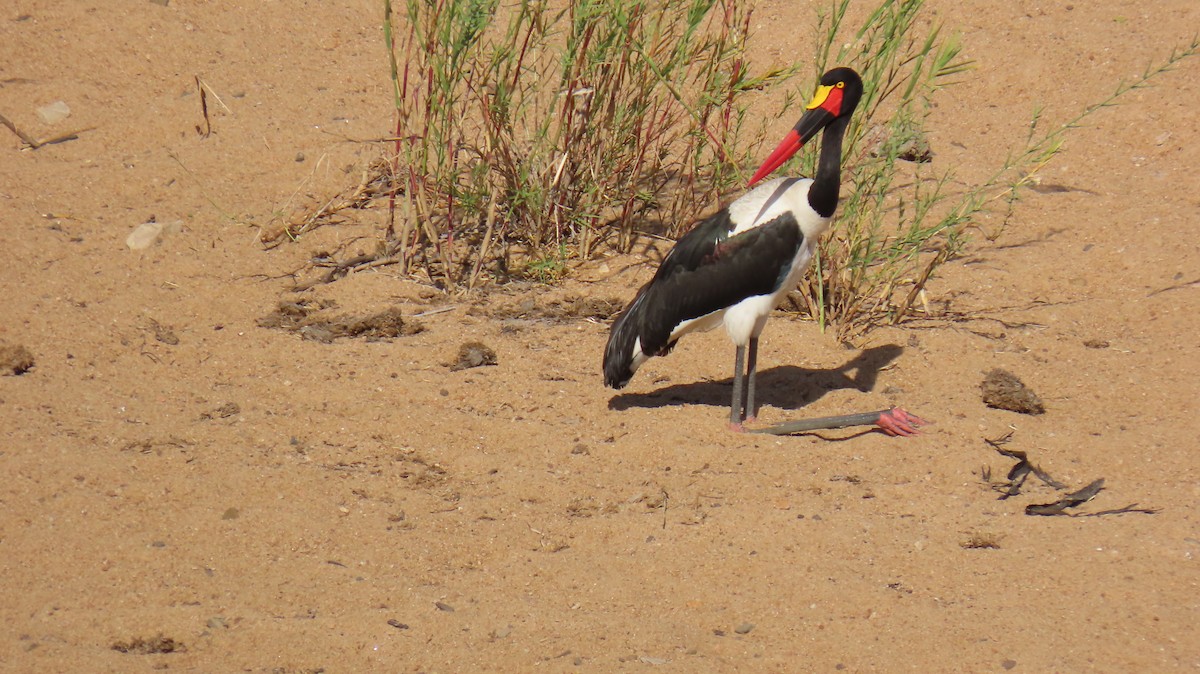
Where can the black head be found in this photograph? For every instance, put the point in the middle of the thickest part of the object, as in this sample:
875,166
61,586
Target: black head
845,89
838,93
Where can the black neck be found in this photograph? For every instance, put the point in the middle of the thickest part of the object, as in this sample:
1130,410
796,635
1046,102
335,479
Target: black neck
823,193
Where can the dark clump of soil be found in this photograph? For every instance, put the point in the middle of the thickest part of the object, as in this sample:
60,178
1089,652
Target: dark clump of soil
164,333
153,645
311,320
1004,391
981,541
473,354
585,307
15,359
570,307
917,151
223,412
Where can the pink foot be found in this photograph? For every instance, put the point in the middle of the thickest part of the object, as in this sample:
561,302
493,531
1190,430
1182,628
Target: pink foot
736,428
896,421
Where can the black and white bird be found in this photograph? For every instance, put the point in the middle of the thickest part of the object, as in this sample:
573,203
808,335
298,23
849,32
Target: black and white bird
735,266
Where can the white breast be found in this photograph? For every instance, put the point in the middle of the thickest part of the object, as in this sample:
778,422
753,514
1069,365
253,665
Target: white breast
747,318
749,212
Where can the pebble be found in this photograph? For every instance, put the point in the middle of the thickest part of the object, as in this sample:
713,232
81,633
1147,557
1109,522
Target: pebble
149,233
54,113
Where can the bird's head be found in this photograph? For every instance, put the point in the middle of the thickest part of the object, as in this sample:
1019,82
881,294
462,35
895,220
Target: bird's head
837,95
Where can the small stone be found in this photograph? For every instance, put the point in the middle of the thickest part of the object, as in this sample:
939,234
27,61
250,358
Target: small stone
54,113
744,628
1008,664
231,514
144,235
299,157
149,233
442,606
397,624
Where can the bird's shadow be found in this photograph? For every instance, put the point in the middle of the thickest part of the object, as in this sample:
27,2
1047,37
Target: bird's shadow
786,387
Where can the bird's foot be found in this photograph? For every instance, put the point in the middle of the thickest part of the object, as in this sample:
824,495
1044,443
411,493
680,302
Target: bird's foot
737,427
897,421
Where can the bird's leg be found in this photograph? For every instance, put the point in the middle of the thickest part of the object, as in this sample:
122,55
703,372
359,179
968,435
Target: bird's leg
751,374
735,408
895,421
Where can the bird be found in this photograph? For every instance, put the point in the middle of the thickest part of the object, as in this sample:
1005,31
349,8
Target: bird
735,266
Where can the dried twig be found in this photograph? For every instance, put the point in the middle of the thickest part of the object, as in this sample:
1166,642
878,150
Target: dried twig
21,134
1019,472
32,143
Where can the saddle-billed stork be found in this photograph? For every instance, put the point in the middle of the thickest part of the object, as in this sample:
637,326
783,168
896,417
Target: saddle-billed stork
735,266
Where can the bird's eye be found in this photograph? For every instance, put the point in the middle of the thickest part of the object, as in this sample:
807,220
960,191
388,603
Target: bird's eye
841,85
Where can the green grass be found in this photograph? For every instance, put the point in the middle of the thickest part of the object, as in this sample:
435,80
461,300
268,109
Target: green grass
899,221
562,129
539,133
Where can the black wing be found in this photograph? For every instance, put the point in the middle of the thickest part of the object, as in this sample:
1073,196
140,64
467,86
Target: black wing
706,271
749,264
696,247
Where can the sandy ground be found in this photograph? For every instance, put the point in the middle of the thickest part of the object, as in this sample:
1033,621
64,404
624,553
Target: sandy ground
175,477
